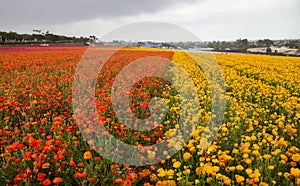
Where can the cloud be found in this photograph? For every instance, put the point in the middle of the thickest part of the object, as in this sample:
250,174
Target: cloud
150,31
230,20
209,20
47,12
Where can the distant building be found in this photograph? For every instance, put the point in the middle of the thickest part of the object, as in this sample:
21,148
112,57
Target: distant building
274,49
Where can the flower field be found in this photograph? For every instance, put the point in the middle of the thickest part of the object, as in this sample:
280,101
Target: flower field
43,143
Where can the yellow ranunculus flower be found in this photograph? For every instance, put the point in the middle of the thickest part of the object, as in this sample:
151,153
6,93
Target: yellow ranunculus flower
267,156
296,157
186,156
239,178
176,164
239,168
295,172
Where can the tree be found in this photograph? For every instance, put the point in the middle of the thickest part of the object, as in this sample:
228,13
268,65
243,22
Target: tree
92,39
265,43
36,31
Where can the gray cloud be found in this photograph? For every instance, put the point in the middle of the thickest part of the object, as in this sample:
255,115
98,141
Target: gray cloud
151,31
46,12
209,20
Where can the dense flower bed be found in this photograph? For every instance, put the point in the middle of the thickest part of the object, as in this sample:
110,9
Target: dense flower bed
40,141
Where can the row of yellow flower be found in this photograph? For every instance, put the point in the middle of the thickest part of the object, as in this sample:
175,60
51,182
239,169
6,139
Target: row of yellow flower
258,142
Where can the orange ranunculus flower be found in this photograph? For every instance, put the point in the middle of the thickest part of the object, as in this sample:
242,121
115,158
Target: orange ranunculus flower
87,155
46,182
198,170
127,182
119,181
159,183
72,162
18,178
45,166
77,175
91,179
27,155
41,176
80,175
57,180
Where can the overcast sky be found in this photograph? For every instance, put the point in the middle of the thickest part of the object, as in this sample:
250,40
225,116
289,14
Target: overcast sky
207,19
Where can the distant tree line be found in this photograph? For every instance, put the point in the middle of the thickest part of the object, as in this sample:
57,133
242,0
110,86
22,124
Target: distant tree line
39,37
243,44
239,45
